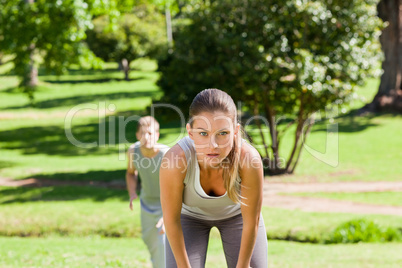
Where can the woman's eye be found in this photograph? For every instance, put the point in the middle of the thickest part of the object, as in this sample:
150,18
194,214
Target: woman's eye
203,134
223,133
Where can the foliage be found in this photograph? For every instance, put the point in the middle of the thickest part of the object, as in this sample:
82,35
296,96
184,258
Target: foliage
137,34
363,231
280,58
51,30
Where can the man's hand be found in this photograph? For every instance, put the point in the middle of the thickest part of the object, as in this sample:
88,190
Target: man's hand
134,196
160,225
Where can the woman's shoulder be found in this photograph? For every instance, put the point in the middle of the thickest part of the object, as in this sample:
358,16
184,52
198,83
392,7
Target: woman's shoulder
248,150
175,158
176,150
249,156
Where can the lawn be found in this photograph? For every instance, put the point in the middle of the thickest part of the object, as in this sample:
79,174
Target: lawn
86,226
129,252
39,141
34,141
85,211
375,198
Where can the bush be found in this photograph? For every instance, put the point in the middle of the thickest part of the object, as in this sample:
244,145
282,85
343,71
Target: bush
363,231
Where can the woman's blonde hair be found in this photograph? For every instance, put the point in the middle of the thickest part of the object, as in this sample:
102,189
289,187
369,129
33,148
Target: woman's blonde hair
215,100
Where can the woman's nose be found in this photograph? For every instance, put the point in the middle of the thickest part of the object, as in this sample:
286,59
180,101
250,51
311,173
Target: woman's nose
213,143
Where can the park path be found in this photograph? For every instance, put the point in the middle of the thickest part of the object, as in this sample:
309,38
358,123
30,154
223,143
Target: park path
272,194
273,197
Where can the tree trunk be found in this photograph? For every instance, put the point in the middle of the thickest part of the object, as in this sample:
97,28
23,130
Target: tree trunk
389,95
125,66
30,80
274,162
169,31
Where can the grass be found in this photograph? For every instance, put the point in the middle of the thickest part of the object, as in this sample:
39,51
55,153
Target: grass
129,252
375,198
34,140
298,225
73,226
83,211
291,254
67,211
73,252
367,150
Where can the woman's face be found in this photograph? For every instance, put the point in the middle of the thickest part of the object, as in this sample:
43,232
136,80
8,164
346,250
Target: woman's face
213,135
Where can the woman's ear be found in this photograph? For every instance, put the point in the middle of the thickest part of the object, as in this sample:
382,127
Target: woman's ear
237,129
190,133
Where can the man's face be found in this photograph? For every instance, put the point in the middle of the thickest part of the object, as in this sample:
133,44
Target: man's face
148,137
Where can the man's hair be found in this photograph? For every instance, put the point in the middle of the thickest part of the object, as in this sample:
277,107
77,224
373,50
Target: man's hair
148,122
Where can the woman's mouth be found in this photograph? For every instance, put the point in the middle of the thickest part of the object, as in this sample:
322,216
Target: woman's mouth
212,155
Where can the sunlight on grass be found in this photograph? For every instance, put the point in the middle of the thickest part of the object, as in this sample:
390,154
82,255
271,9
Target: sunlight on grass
72,222
375,198
129,252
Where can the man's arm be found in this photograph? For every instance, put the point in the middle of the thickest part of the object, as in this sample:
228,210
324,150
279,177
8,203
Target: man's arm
131,177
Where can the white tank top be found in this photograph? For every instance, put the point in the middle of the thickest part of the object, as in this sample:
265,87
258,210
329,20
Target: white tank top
196,202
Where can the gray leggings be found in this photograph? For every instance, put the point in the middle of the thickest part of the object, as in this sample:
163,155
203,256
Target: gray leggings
196,235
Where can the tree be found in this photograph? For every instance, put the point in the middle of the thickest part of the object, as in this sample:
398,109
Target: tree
389,95
280,58
49,30
140,33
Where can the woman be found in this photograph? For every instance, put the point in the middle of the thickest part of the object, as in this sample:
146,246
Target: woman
213,179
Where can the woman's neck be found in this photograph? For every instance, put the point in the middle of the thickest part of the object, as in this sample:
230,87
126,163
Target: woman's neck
208,169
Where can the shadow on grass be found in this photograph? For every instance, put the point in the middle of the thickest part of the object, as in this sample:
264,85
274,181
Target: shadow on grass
73,101
115,178
348,123
52,140
97,138
80,71
6,164
18,90
101,80
9,195
94,71
102,71
12,90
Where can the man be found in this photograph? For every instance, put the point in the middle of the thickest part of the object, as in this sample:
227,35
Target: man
144,158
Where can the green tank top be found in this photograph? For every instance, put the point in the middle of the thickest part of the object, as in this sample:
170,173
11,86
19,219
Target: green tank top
148,169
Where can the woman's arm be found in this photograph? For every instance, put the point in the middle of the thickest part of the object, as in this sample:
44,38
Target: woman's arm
251,173
172,174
